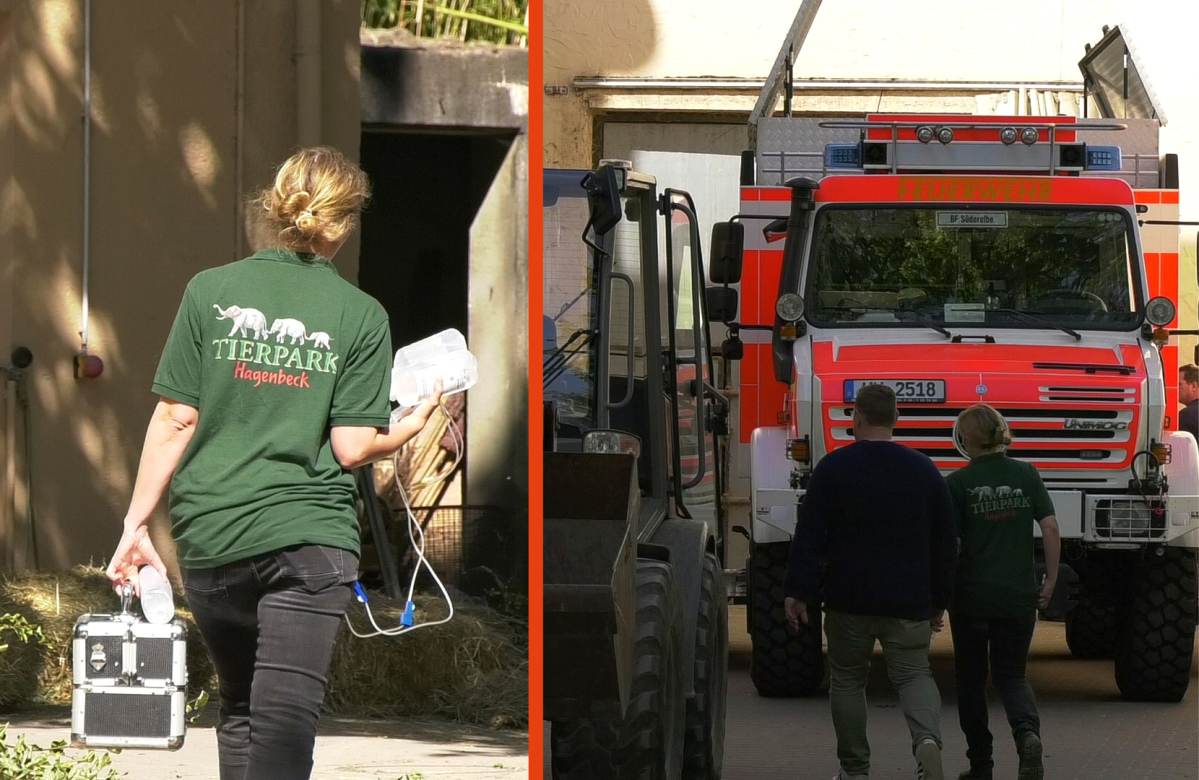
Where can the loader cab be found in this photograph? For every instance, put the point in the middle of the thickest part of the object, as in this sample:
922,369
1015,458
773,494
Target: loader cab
626,358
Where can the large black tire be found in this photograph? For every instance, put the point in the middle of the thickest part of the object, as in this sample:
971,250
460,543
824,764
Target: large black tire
782,663
703,744
1157,642
582,749
1092,628
648,743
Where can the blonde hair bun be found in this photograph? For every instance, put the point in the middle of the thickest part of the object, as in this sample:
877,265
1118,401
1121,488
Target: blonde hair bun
317,196
985,427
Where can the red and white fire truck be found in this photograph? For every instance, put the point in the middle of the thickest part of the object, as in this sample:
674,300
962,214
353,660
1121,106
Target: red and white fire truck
1011,260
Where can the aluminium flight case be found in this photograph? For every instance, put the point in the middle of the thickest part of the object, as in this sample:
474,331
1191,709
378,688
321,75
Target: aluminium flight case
130,681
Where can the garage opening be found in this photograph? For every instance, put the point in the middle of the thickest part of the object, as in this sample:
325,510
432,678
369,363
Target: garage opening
415,256
415,260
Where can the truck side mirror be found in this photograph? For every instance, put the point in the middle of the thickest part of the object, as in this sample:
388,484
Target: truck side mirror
603,198
728,243
722,304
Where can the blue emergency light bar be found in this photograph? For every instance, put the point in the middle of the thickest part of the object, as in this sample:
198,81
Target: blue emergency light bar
843,156
1104,158
1098,158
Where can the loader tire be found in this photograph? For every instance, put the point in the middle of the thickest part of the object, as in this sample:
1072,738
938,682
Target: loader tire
1157,642
703,742
1092,628
782,663
583,749
647,744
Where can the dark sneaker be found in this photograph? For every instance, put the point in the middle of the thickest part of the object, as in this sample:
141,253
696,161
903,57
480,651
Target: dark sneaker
1029,749
976,774
928,761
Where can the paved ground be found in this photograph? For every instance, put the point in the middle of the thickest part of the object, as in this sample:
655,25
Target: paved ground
346,750
1089,733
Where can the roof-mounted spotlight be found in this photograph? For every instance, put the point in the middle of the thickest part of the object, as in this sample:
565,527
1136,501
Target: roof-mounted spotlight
924,134
945,135
1008,135
1029,135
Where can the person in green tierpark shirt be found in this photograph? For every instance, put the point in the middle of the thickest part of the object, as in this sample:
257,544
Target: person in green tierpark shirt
996,595
273,385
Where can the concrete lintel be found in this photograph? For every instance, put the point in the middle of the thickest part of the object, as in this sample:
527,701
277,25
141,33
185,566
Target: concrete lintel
465,87
731,102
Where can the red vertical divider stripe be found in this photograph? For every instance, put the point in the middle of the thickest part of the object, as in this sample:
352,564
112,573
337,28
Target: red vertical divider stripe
536,461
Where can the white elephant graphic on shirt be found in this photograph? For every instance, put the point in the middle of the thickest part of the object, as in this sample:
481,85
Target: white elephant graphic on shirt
285,328
1017,493
320,339
983,493
1002,492
243,320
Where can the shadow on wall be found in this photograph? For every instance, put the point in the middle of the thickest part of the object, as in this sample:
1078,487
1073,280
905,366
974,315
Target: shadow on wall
164,206
616,38
599,39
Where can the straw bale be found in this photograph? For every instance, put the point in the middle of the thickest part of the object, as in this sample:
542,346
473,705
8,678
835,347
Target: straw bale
59,598
472,669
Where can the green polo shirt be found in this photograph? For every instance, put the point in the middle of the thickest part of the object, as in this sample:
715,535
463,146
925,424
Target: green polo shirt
273,350
997,500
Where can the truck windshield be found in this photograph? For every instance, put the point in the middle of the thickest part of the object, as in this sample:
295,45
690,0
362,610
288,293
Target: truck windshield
1072,267
570,316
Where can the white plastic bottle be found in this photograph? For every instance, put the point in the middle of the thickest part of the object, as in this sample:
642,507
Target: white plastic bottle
158,603
442,356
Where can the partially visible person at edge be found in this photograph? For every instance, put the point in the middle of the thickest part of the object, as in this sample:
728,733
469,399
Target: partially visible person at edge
875,542
274,384
996,595
1188,396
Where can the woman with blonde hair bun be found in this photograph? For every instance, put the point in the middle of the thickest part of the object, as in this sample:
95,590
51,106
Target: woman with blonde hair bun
273,384
996,595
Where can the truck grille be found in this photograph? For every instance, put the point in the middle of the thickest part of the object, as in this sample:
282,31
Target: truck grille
1054,436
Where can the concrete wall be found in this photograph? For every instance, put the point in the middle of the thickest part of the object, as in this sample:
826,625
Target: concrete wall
194,105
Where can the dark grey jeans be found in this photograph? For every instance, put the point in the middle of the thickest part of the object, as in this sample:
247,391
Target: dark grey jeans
1003,646
269,623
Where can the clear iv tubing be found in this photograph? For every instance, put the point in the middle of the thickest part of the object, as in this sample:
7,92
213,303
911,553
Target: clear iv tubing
413,523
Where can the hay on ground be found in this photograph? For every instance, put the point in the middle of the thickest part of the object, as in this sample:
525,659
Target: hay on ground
58,599
472,669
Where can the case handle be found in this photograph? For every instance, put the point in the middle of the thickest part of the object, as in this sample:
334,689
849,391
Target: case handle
126,597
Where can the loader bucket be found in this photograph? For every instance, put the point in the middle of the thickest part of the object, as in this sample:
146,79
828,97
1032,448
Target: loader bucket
590,556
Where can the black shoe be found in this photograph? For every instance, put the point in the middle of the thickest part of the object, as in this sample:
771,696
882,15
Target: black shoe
1029,748
975,774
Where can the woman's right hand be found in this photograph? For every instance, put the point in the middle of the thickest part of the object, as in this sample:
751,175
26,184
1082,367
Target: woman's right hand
133,551
424,411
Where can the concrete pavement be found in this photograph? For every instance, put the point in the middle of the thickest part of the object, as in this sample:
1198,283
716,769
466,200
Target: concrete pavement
345,750
1089,732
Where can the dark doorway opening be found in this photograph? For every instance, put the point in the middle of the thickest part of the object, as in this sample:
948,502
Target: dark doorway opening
427,188
415,255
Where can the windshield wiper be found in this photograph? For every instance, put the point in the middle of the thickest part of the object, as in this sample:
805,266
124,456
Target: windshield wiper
1039,321
863,307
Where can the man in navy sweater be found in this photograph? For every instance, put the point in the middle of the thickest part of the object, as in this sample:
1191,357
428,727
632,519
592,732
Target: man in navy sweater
875,544
1188,396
